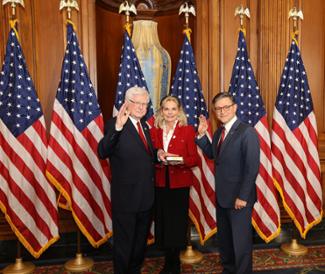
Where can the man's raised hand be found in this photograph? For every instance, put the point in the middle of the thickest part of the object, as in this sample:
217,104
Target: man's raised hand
122,116
203,125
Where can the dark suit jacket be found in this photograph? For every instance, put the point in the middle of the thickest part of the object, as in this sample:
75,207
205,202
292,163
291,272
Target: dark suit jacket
237,164
131,165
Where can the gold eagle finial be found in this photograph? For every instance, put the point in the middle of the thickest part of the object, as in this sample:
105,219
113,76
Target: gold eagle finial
127,8
69,5
187,9
14,3
295,14
242,12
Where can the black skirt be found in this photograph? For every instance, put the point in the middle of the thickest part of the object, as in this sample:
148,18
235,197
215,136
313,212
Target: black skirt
171,216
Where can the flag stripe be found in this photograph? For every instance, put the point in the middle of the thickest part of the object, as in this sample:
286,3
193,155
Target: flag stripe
243,86
92,172
26,197
18,224
80,187
73,165
79,205
27,211
294,161
24,174
296,164
292,172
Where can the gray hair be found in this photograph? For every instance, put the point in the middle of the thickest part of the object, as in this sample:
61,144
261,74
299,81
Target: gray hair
133,91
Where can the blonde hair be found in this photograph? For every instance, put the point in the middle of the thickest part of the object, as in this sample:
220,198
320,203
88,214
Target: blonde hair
159,119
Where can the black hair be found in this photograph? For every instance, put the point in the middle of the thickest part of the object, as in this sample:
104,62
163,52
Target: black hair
222,95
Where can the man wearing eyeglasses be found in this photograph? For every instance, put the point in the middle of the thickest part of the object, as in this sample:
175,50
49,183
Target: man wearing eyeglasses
128,146
235,150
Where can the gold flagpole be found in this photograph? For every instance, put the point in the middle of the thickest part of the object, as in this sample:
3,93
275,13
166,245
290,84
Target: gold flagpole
19,267
189,256
293,248
79,263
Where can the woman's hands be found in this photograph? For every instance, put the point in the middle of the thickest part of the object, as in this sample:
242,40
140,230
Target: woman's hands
162,155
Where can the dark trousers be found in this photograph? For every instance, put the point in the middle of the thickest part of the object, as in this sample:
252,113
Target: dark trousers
235,239
130,232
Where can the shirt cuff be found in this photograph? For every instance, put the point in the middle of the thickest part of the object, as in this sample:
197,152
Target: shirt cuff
118,128
199,136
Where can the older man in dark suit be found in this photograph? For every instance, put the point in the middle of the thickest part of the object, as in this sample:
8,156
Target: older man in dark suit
235,150
128,146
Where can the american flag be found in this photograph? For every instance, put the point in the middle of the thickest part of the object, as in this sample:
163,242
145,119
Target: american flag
130,75
187,87
244,88
26,197
296,166
72,162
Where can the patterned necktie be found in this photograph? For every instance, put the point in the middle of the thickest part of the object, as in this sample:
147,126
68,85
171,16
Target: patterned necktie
222,137
144,140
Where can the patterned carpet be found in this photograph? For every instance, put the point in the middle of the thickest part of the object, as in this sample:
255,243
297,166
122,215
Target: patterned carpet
265,261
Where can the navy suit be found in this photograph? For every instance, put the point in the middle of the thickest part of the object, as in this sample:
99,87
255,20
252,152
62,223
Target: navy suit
132,192
236,168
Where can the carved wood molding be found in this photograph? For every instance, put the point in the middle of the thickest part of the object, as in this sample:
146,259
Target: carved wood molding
145,8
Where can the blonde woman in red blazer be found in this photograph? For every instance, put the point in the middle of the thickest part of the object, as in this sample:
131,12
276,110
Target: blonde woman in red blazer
171,136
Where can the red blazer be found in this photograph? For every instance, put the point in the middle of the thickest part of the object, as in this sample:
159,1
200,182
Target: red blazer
182,143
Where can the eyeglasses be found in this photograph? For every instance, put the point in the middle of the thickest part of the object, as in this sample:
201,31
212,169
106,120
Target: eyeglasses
224,108
138,103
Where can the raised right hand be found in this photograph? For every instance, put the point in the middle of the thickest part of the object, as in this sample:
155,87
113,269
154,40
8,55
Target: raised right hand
122,116
203,125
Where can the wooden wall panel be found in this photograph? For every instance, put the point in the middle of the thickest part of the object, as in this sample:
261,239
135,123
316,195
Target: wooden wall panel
172,41
109,43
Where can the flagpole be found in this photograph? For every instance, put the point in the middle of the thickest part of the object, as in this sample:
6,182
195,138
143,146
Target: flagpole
19,267
189,256
79,263
294,248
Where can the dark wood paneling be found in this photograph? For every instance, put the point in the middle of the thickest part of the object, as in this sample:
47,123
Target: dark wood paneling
109,44
170,32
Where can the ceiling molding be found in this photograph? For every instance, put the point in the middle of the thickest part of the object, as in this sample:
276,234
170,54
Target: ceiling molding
146,8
